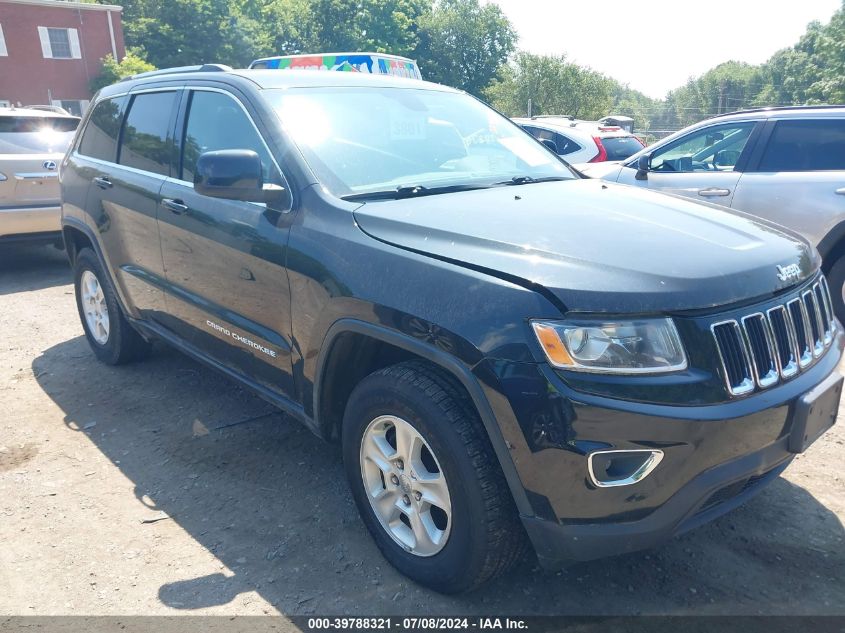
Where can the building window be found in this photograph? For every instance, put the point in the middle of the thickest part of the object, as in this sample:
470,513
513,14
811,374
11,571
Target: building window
4,52
59,43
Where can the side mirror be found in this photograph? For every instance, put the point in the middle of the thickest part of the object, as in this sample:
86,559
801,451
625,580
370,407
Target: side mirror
234,174
643,167
550,144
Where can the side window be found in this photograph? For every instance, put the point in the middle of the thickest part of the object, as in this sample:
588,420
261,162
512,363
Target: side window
143,143
99,139
216,121
814,145
715,148
565,145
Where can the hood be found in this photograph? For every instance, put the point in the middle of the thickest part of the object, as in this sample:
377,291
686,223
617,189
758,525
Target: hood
598,246
607,170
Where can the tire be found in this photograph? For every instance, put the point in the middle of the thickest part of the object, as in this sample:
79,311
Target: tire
109,334
479,534
836,282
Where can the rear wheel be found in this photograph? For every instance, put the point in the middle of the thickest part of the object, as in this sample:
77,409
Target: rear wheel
109,334
426,481
836,281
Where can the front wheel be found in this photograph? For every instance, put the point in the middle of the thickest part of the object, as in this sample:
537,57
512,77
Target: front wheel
109,334
426,481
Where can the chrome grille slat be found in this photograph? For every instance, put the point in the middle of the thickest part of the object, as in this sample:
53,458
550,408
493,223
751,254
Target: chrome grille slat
787,348
761,349
761,344
815,322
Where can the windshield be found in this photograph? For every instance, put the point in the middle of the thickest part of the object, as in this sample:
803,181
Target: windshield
36,135
364,139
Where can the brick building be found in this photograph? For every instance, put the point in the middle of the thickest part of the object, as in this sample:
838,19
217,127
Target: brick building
51,49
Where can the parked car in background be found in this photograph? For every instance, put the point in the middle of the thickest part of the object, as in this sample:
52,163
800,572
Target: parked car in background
783,164
372,63
504,351
582,141
32,143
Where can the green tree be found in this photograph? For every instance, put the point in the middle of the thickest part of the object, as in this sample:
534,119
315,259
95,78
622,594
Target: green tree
114,70
552,86
188,32
382,26
463,43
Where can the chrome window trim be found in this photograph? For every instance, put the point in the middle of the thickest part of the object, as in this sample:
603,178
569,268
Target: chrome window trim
747,385
185,87
111,165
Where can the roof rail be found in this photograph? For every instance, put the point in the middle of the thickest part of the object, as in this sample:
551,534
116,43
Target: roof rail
553,116
178,70
779,108
46,108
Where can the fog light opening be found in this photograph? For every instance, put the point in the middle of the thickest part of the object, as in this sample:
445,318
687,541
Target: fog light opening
621,468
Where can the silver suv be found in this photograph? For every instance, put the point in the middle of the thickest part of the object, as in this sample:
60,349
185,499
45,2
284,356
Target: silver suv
33,142
784,164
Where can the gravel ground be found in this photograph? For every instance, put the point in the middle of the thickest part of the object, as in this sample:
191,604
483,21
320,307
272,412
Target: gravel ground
164,488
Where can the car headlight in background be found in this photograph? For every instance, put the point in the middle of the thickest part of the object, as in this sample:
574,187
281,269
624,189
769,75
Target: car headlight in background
641,346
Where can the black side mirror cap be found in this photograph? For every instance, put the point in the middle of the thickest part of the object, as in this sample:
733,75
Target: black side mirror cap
235,174
643,167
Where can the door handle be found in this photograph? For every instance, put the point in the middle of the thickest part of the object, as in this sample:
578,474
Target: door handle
175,206
713,192
840,191
103,182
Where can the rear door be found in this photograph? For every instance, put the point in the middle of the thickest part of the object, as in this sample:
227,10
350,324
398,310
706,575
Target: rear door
225,259
799,179
704,164
124,193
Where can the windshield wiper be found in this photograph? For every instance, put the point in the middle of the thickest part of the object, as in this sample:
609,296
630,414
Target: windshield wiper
526,180
410,191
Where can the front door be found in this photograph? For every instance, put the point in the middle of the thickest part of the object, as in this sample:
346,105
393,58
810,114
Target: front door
799,181
227,286
699,165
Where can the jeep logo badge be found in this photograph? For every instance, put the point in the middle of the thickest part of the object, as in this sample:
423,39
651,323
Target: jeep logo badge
787,273
49,165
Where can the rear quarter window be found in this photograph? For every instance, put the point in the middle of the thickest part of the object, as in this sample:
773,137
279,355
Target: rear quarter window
99,138
621,147
807,145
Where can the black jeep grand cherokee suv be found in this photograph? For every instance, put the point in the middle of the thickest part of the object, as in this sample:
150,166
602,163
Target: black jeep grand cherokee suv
507,353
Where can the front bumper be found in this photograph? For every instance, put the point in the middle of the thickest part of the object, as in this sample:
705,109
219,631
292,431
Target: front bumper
715,458
17,223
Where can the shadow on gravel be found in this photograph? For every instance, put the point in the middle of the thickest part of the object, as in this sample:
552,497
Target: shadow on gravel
27,267
269,500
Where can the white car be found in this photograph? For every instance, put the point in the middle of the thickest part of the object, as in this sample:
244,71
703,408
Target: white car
582,141
33,142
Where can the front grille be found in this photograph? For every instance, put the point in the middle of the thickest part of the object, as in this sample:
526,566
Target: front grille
761,349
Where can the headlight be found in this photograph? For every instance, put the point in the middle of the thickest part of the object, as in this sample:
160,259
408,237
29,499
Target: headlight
642,346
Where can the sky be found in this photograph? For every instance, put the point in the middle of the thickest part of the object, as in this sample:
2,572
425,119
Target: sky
656,45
